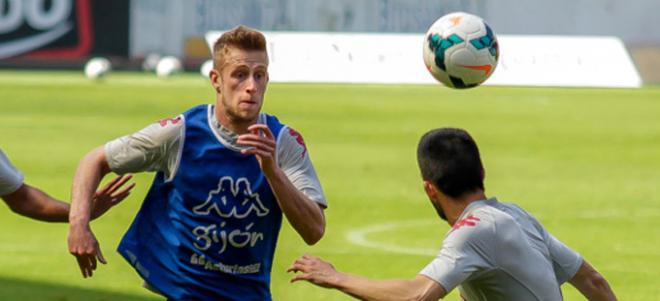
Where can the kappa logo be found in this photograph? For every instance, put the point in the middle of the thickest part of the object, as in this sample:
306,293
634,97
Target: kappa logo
232,200
470,221
172,121
299,139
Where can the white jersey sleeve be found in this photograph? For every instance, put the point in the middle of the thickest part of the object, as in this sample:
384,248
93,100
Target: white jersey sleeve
293,159
10,178
154,148
465,250
565,261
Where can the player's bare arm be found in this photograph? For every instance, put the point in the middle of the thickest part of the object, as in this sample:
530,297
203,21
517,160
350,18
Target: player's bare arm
31,202
305,215
141,151
314,270
592,284
82,242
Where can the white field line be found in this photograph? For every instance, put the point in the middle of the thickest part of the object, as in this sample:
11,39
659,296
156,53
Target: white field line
360,237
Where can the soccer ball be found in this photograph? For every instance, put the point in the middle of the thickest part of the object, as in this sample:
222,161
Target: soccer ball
168,66
460,50
97,68
206,68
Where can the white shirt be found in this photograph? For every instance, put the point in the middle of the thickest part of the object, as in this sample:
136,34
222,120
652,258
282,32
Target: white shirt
157,147
497,251
10,178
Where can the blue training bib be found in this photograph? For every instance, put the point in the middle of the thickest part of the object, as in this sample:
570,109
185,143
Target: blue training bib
210,232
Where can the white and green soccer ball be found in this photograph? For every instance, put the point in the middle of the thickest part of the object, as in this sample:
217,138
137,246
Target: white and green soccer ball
168,66
97,68
460,50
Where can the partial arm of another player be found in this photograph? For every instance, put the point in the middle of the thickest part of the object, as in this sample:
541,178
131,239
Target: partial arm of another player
34,203
305,215
31,202
323,274
592,284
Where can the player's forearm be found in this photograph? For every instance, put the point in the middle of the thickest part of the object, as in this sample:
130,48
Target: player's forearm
383,290
303,214
34,203
597,289
90,171
592,284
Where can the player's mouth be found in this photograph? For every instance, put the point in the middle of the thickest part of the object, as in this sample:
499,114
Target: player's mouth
247,103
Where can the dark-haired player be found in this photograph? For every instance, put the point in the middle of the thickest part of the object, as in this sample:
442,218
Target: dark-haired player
494,251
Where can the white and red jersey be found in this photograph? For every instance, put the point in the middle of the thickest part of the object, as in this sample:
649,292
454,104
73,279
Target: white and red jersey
497,251
158,146
10,178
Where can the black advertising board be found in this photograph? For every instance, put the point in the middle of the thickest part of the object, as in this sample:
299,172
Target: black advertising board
63,30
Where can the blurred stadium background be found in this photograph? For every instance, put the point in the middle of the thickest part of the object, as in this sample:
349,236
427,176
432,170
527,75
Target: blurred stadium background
71,31
584,160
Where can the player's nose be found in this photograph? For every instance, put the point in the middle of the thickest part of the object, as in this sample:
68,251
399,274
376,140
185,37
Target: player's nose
250,85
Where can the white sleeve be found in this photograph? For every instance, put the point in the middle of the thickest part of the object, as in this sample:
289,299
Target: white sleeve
10,178
463,252
293,158
155,148
565,261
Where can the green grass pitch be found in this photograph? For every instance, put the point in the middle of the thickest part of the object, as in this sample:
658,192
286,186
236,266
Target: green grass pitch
586,162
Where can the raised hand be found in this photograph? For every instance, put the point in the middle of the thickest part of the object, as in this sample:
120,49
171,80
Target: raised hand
262,144
107,197
314,270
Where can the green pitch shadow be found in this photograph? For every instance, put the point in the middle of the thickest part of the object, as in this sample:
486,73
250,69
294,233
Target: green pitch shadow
24,290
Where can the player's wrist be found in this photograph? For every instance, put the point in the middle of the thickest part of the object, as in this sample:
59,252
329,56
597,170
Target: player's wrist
339,280
78,221
273,172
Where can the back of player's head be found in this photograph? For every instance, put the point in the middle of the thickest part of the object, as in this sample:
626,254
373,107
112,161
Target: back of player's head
241,37
449,158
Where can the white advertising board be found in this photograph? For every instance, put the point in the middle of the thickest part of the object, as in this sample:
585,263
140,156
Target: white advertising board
576,61
397,59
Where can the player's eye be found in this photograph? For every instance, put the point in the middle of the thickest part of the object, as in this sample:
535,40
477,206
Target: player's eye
240,74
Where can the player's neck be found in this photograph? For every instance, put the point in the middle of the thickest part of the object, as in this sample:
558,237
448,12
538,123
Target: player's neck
235,126
456,206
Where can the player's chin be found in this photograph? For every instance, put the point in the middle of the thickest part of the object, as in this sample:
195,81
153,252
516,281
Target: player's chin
249,108
247,115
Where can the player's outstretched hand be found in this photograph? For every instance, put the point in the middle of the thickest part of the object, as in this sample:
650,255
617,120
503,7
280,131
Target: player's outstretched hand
261,143
84,246
314,270
107,197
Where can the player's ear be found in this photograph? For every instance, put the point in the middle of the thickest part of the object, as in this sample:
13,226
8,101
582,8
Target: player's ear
214,76
431,190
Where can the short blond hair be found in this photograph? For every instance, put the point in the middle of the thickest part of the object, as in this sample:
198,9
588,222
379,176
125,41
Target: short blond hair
241,37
